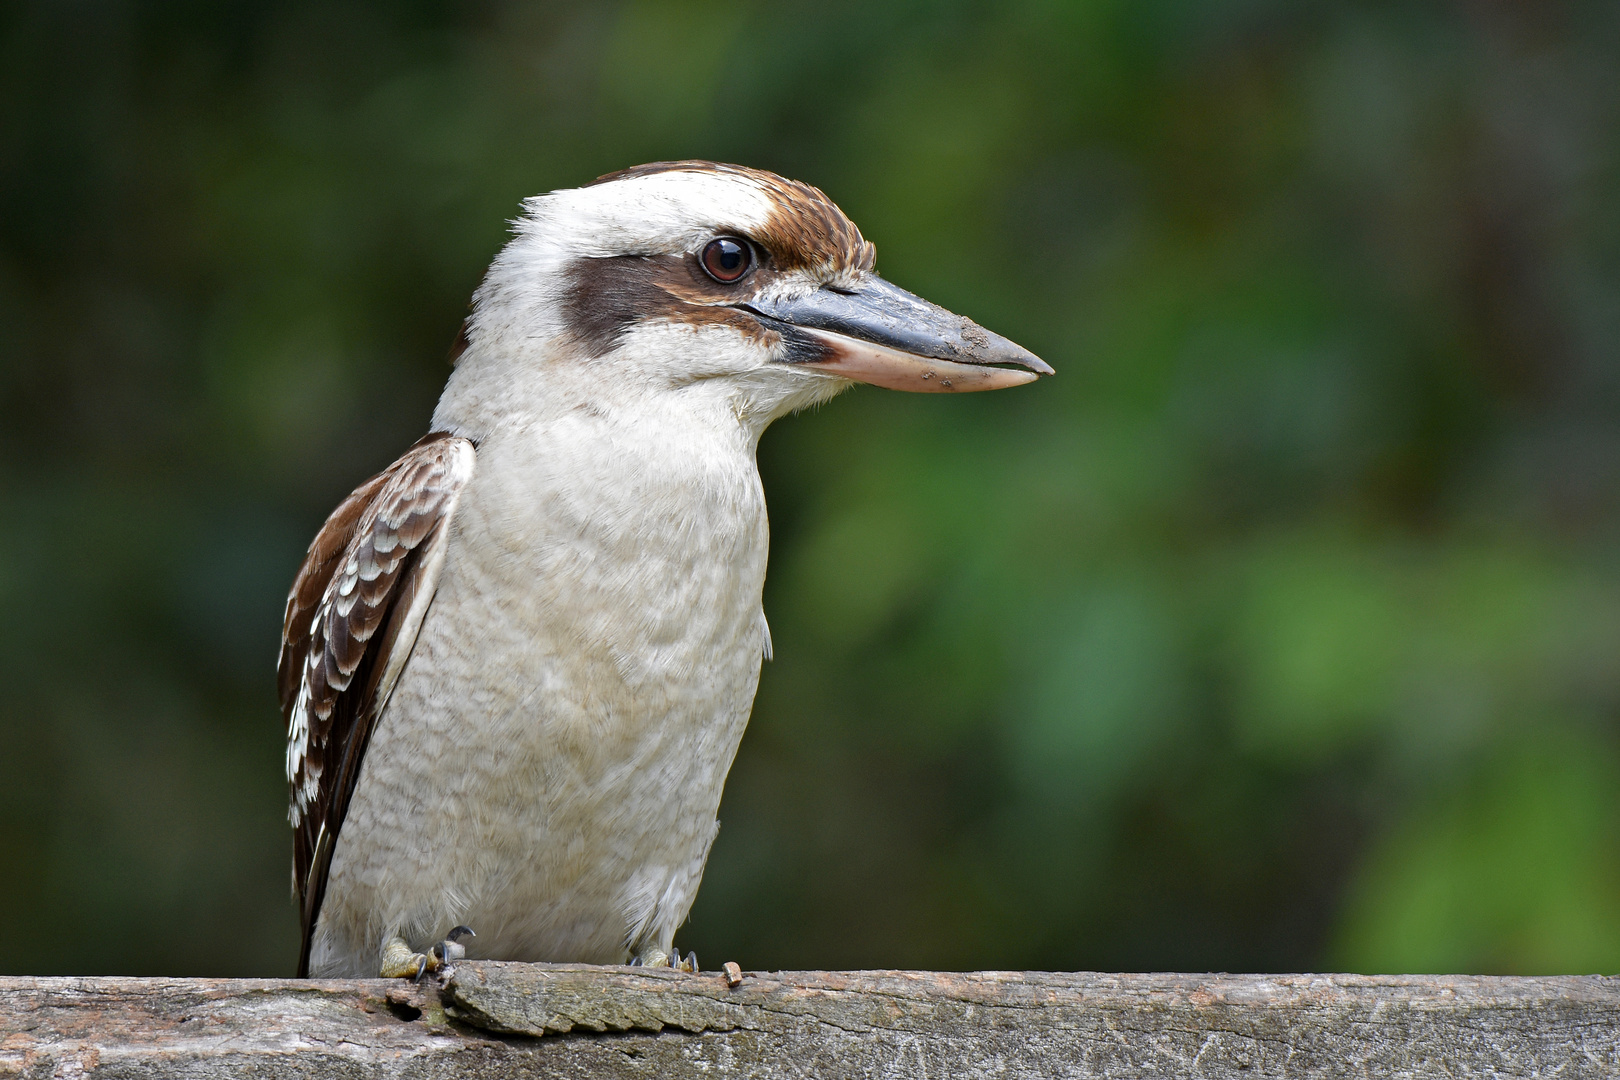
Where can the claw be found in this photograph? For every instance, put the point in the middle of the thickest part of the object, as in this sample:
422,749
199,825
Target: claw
400,962
451,949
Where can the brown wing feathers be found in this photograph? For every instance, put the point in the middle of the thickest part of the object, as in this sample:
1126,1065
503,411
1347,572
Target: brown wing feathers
370,567
329,544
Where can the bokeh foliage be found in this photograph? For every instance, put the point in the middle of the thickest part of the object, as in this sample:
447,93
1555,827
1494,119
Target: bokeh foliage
1279,631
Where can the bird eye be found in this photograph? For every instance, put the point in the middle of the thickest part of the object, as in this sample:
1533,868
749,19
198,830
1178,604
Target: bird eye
728,259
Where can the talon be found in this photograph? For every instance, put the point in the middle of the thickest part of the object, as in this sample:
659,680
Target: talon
451,949
690,963
400,962
635,961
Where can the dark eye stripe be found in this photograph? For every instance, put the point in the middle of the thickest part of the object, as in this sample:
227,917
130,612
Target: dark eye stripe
728,259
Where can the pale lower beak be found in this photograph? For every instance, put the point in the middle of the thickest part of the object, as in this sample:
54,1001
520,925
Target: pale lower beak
883,335
892,369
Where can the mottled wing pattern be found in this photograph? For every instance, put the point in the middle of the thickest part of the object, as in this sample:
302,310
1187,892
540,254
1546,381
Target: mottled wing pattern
352,619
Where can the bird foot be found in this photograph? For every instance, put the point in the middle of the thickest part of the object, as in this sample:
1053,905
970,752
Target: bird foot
400,962
660,958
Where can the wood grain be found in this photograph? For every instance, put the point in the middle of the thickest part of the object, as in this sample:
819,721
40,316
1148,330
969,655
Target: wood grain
542,1020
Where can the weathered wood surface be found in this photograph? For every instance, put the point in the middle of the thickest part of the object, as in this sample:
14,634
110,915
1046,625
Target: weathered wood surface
520,1020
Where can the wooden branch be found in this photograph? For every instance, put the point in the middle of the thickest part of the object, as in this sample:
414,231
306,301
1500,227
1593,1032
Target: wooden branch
544,1020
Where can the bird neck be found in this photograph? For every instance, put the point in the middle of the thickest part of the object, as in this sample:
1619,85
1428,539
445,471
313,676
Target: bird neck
495,391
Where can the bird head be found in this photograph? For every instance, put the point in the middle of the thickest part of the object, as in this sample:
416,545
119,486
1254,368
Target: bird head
685,274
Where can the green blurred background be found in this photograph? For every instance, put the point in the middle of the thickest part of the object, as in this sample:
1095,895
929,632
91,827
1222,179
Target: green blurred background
1279,631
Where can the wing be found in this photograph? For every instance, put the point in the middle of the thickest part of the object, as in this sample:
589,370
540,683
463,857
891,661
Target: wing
352,618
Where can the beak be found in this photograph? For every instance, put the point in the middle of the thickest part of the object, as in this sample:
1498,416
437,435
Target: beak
883,335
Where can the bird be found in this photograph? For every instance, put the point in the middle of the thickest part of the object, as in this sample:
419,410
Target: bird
516,664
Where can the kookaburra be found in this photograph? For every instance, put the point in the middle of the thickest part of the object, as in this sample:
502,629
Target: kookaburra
516,663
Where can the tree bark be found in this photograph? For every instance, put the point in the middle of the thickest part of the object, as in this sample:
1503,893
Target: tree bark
543,1020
